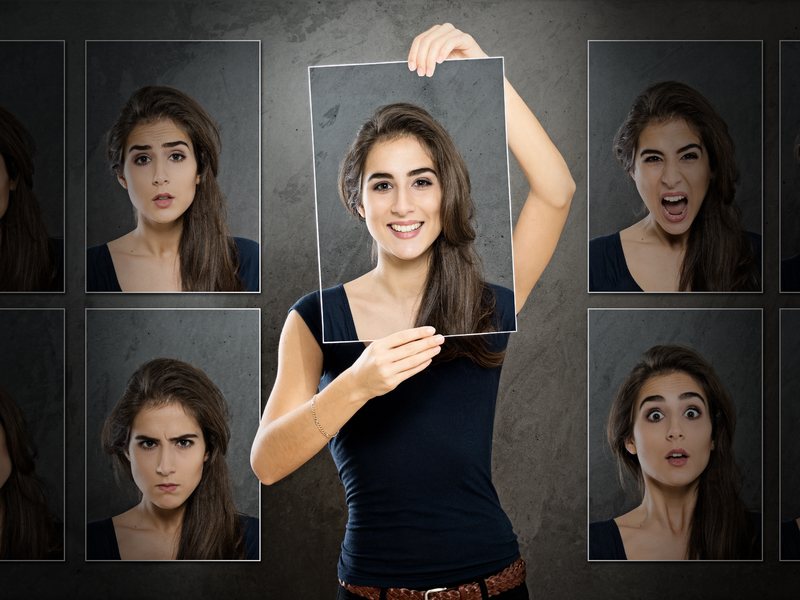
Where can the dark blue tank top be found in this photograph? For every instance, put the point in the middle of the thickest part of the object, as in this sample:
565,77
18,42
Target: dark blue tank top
416,464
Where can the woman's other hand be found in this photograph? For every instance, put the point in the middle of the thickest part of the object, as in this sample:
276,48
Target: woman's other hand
441,42
387,362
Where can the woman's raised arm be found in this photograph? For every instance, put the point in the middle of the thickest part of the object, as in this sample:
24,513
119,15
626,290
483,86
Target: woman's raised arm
551,186
288,436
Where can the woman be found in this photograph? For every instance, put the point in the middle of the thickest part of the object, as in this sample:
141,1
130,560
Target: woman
677,148
30,260
671,427
28,529
169,434
390,408
164,149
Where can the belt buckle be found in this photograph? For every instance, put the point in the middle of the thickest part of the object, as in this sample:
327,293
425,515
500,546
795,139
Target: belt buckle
432,591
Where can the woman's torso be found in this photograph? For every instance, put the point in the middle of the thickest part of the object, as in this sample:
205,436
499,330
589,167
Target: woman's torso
416,464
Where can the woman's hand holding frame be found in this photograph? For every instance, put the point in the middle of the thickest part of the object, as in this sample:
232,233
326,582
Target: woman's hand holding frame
551,186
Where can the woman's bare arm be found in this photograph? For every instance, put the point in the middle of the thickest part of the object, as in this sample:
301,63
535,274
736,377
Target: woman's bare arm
551,186
287,436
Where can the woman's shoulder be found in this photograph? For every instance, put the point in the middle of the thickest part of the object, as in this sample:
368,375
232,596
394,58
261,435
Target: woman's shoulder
251,535
249,263
608,270
505,306
100,273
605,541
101,540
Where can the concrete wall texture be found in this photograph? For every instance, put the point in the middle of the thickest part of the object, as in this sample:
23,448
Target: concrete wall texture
541,429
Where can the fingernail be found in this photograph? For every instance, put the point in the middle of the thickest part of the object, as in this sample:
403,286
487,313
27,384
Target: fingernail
420,71
429,72
431,330
440,60
412,66
439,338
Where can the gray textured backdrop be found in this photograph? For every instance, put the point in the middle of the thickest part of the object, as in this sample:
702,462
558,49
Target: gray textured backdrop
790,414
466,97
540,450
221,343
729,340
32,359
223,77
32,89
728,74
790,129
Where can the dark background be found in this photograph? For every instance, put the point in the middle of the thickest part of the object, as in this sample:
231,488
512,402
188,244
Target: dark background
32,89
730,340
790,129
790,414
540,447
223,77
32,355
467,98
728,74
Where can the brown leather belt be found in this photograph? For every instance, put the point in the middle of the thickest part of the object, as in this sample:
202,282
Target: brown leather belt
505,580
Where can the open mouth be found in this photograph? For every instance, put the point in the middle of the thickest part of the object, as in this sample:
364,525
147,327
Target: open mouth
674,206
405,228
677,459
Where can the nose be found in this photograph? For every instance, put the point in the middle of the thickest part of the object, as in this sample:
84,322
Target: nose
671,175
160,176
166,463
403,203
675,432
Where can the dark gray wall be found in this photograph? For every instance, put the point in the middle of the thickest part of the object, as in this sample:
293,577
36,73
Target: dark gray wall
790,129
466,97
223,77
32,359
728,74
540,447
32,89
730,340
221,343
790,414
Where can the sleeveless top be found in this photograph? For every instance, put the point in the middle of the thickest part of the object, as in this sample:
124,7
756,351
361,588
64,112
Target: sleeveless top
416,463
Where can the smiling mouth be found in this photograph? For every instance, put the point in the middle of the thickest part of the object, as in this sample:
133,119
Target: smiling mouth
405,228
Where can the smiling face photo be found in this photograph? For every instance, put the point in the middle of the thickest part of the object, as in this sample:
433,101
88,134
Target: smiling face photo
407,206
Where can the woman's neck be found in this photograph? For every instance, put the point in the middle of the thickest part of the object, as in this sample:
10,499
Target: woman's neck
163,520
654,232
158,239
668,506
401,280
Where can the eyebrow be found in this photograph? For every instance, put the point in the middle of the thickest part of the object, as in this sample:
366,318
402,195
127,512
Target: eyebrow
684,149
185,436
683,396
413,173
164,145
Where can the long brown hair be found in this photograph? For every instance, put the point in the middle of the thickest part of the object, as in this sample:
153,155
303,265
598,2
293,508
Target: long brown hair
211,526
30,530
208,256
455,299
720,527
28,260
719,255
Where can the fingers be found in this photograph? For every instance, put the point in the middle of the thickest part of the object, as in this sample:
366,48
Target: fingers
437,44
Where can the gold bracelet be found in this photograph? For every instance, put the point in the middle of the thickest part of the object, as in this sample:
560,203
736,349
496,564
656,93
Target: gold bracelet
314,414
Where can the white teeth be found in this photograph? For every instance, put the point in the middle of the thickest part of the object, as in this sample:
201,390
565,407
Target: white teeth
673,198
676,455
405,228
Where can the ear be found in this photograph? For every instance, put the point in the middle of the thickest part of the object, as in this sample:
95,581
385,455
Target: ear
630,446
197,179
127,455
632,173
13,185
122,181
713,445
207,456
360,209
